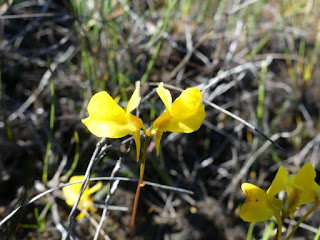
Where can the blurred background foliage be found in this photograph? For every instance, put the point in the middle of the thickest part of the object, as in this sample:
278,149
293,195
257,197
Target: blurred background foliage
256,58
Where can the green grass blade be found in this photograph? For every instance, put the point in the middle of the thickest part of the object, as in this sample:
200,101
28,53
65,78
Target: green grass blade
48,148
250,231
76,156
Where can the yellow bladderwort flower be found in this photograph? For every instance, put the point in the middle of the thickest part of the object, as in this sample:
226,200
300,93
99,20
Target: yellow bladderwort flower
184,115
302,188
71,193
260,205
108,119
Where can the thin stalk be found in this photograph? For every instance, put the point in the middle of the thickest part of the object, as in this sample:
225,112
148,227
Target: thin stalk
316,204
262,93
76,156
48,148
317,236
250,231
136,199
279,230
267,231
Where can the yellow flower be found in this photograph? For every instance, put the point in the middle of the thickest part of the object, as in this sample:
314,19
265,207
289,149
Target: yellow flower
185,114
302,188
71,193
108,119
260,205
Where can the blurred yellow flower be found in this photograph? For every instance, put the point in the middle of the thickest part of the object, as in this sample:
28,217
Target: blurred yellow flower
71,193
260,205
108,119
302,188
185,114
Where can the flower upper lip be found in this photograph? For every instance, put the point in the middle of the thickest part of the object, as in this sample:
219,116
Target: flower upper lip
185,114
108,119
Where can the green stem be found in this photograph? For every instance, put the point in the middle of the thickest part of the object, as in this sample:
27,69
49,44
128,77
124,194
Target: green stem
279,230
48,148
250,231
140,184
316,204
76,156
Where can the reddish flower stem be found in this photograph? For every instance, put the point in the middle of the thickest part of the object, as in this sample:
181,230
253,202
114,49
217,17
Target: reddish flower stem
140,184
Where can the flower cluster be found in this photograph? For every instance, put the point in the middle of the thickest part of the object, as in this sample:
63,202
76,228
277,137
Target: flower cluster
108,119
300,188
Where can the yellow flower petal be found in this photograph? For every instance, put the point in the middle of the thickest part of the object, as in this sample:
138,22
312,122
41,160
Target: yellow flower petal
302,188
187,113
253,192
165,96
102,107
134,100
279,182
306,176
93,189
81,215
162,121
108,129
256,207
108,119
71,193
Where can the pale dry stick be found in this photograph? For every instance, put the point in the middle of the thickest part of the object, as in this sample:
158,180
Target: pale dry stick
43,82
150,28
93,161
168,209
111,207
96,224
56,217
298,158
234,42
246,166
241,6
114,185
27,28
222,88
29,15
302,225
187,56
238,69
314,159
307,117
